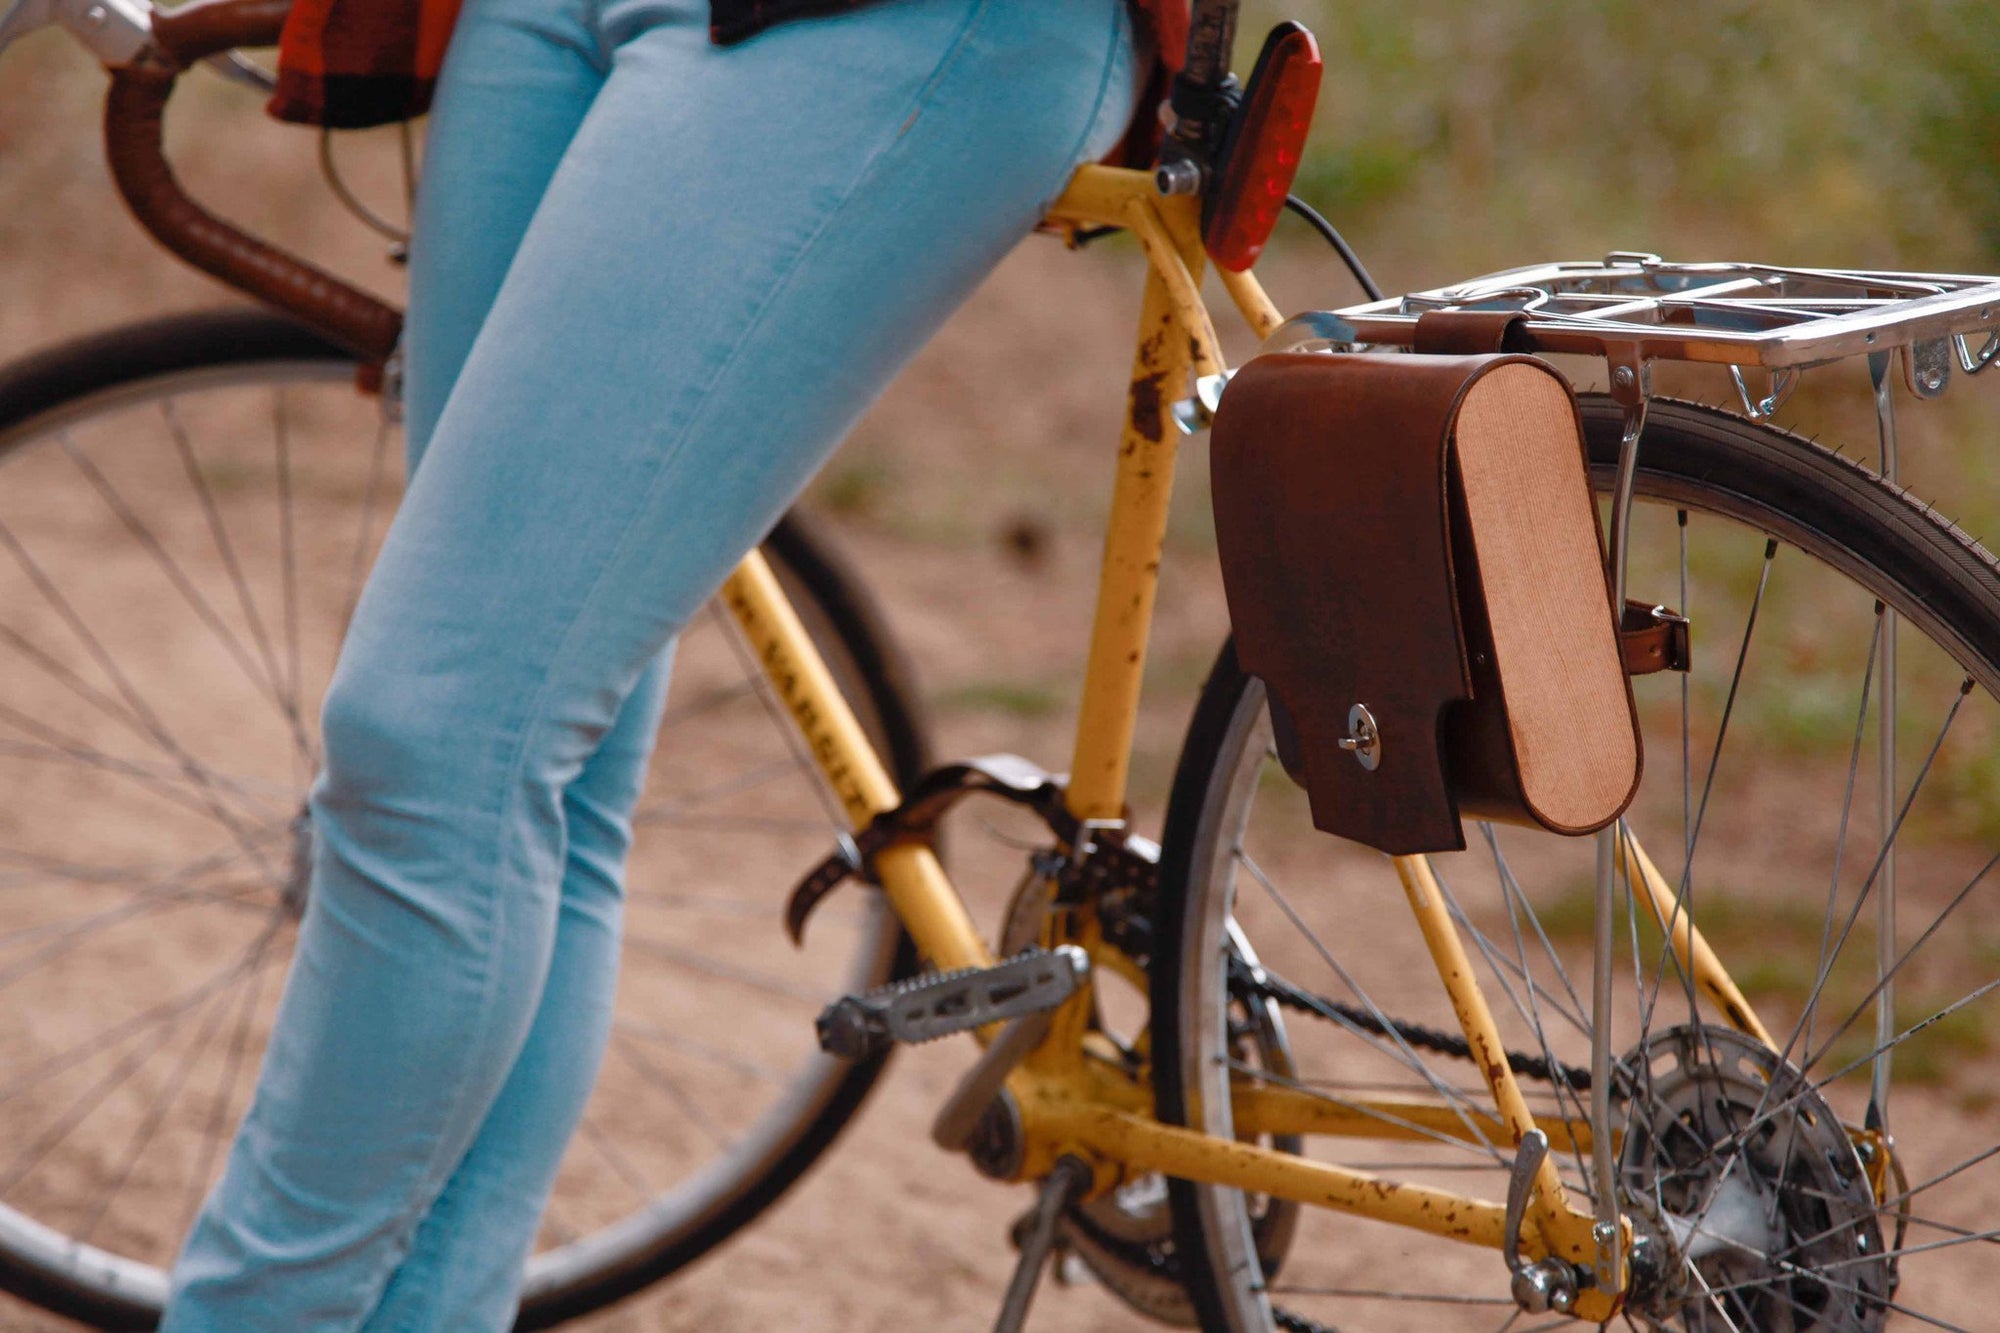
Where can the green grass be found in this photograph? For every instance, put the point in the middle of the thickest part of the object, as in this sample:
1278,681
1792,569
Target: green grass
1772,950
1928,1057
856,488
1011,698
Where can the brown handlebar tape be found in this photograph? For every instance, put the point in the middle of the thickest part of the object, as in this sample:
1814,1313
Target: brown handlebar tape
134,111
194,32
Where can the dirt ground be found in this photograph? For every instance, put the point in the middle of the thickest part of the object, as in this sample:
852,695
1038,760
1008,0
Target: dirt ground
969,500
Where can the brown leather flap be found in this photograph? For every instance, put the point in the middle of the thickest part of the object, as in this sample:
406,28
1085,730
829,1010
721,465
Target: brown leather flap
1305,499
1356,498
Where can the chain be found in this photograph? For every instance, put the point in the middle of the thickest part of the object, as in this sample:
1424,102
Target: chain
1245,980
1258,982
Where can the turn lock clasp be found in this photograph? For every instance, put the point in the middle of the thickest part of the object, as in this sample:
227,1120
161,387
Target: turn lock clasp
1362,740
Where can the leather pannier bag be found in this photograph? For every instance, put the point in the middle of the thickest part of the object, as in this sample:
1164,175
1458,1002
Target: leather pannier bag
1415,568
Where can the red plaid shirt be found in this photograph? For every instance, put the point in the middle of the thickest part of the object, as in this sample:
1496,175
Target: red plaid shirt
350,63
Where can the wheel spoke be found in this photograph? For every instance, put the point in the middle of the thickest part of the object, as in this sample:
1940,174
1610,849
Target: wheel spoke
219,1116
196,791
218,1007
150,721
682,1044
676,807
171,569
659,1078
143,1022
1461,1107
31,1154
1684,893
617,1159
781,719
225,549
1318,1093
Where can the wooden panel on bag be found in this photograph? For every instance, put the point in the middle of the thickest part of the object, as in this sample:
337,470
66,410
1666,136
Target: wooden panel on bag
1555,649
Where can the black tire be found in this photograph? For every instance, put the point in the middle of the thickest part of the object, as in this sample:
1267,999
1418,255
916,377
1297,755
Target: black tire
56,395
1773,484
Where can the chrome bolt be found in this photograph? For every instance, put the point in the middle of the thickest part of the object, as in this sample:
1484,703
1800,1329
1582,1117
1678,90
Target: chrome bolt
1543,1286
1623,377
1531,1290
96,15
1178,177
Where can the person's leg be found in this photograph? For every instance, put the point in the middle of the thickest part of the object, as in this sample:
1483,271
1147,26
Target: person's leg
521,77
478,196
717,282
468,1252
518,80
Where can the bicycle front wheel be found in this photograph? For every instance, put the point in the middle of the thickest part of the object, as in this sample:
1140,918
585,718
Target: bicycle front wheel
187,510
1841,1177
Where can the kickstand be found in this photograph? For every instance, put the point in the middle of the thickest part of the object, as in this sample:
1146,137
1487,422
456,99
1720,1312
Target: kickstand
1064,1185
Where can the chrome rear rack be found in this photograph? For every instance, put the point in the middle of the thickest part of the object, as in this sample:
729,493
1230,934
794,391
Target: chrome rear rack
1633,308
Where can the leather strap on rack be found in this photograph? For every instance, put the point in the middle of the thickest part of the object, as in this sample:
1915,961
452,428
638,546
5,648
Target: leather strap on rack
1468,332
133,116
1652,638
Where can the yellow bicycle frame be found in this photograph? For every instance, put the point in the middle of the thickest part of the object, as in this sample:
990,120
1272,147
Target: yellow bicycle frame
1071,1102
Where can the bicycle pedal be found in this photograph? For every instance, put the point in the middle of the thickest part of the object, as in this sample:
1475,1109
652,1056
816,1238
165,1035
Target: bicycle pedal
861,1027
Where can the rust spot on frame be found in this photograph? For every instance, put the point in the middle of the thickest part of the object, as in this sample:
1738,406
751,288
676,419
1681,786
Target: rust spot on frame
1144,406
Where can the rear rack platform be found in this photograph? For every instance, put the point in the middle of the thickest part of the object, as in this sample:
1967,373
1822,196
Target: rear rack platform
1632,308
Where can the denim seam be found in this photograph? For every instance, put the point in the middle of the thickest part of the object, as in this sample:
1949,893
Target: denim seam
960,40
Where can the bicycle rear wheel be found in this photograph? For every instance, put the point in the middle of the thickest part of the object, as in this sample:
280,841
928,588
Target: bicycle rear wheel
1847,1181
187,509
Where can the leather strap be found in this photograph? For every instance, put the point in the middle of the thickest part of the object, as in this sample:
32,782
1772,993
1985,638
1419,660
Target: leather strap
1468,332
1652,638
1007,776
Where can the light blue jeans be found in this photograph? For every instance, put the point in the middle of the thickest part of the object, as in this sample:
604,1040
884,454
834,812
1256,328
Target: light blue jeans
655,282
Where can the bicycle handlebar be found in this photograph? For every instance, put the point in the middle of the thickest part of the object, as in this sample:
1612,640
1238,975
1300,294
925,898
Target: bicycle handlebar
133,121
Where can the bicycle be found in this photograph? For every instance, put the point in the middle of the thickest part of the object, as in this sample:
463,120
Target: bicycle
1171,1157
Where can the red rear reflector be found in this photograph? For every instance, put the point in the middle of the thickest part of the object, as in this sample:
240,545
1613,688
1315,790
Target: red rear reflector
1261,156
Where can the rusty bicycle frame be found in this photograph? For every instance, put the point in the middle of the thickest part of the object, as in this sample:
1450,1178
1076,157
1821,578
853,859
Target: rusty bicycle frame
1071,1102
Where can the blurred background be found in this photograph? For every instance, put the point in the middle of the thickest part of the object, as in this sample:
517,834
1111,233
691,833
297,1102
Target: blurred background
1452,140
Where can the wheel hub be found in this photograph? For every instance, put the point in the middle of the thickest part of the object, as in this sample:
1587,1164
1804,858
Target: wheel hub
1750,1200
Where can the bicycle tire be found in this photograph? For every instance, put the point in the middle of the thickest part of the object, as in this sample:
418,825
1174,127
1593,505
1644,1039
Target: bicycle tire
58,398
1747,484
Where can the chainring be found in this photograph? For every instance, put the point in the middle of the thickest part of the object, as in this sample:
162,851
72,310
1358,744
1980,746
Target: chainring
1126,1237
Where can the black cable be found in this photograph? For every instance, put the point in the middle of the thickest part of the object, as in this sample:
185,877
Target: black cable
1333,238
1083,236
